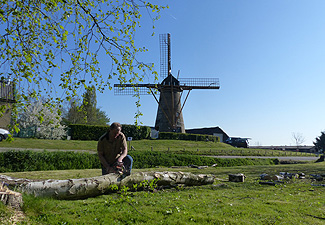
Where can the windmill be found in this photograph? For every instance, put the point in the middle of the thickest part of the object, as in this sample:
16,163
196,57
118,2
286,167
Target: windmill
169,115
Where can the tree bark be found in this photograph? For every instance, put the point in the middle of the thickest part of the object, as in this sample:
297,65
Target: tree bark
90,187
10,198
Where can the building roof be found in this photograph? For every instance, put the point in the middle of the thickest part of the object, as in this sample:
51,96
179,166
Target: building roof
207,130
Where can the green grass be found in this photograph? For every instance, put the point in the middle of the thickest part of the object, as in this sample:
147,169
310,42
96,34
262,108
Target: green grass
139,145
252,204
220,172
295,202
166,146
45,144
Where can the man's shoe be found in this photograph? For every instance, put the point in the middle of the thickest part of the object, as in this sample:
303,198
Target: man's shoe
127,173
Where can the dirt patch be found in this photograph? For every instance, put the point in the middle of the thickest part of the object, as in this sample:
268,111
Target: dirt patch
15,217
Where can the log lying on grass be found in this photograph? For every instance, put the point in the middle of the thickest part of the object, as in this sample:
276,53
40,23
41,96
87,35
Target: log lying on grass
90,187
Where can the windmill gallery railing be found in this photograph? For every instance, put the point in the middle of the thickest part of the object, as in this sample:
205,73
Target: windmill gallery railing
184,84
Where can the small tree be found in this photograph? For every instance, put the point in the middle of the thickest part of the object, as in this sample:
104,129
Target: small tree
320,142
85,111
72,113
298,139
89,106
45,121
102,117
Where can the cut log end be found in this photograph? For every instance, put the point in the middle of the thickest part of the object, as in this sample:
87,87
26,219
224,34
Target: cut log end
237,177
11,198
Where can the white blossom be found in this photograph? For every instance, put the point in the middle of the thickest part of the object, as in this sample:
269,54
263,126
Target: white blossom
45,121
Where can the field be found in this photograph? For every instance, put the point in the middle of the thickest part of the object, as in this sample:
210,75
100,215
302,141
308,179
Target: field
166,146
296,201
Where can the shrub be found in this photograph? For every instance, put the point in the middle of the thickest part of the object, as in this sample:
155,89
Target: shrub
18,161
150,159
94,132
189,137
86,132
136,132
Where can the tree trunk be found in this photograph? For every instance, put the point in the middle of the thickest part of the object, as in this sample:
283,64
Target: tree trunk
90,187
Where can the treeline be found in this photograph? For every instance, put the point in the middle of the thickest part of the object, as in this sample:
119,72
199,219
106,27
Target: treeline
94,132
19,161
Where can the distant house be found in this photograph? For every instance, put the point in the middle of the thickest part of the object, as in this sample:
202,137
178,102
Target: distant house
215,131
7,98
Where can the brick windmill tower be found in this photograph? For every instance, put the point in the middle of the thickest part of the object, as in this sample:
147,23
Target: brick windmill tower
169,115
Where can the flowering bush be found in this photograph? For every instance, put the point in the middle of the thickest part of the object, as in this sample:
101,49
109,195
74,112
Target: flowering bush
44,122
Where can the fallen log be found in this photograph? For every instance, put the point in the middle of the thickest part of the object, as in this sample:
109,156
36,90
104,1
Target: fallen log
90,187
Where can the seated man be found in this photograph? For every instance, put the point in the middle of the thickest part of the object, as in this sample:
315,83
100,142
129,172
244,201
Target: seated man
113,153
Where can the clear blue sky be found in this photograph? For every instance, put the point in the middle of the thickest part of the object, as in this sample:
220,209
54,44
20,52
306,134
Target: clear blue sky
268,55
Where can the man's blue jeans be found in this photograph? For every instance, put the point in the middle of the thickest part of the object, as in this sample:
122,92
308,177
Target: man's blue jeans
127,161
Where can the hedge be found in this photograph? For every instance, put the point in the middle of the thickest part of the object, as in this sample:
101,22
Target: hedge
94,132
150,159
19,161
136,132
190,137
86,132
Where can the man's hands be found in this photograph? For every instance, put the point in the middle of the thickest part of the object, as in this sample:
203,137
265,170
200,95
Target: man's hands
117,168
120,159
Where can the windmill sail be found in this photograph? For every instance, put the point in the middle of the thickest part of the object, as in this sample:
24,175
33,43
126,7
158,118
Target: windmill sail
199,83
165,55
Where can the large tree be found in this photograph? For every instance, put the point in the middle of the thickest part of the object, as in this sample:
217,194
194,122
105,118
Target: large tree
48,42
72,113
89,104
85,111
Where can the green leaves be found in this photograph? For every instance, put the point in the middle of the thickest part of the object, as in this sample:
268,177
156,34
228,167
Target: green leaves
320,142
63,40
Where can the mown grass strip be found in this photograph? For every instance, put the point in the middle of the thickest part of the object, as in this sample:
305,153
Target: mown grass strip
165,146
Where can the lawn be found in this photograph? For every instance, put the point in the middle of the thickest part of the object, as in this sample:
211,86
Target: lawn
296,201
166,146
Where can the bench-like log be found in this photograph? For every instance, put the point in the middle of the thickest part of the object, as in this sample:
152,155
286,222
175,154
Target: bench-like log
90,187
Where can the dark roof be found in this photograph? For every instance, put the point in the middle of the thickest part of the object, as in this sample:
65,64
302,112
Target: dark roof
170,80
206,130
